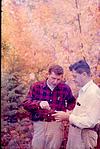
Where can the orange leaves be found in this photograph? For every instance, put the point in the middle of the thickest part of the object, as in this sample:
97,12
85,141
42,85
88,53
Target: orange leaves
42,33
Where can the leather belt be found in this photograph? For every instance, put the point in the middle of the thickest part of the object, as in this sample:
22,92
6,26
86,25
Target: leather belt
75,126
83,128
47,120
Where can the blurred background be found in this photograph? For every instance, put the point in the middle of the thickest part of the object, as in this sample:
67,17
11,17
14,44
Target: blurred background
36,34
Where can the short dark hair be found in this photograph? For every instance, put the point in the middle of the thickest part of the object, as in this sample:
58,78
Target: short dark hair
57,69
80,67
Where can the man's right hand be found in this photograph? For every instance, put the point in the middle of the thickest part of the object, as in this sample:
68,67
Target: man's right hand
45,105
61,115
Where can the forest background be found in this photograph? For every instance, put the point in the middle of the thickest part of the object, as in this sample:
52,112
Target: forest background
36,34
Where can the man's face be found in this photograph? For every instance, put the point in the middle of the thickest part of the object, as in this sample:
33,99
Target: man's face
54,79
78,78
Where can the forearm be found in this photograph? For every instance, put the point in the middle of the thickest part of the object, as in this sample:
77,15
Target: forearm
28,104
81,121
31,102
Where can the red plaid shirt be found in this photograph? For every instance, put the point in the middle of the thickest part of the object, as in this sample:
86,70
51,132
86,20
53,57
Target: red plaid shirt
59,99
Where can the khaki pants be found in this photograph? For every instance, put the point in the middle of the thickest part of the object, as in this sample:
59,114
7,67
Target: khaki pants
81,138
47,135
89,138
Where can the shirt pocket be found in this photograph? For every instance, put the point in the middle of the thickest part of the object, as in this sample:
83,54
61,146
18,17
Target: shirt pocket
60,100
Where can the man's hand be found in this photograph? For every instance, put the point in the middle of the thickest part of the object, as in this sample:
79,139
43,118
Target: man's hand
45,105
97,127
60,116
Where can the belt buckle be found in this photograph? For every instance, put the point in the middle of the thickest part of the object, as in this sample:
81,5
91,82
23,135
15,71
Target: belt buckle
44,120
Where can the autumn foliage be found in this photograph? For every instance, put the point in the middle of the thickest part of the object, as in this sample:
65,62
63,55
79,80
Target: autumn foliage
36,34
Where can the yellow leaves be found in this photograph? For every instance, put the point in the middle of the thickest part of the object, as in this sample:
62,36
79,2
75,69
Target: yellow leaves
42,59
49,33
44,14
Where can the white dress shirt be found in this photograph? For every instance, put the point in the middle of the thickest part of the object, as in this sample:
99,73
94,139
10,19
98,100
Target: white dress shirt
86,113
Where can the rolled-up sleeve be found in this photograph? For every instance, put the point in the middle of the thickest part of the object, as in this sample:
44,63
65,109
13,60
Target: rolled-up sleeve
30,103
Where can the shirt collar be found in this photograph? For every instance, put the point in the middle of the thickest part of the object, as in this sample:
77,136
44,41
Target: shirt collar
45,84
84,88
52,88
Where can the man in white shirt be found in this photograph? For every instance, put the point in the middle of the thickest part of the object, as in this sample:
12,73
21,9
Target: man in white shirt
86,113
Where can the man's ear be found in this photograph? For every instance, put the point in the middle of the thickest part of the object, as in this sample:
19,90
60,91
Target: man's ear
84,74
63,78
47,74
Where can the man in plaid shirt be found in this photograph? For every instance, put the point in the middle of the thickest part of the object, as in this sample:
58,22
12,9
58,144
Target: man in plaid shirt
45,98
